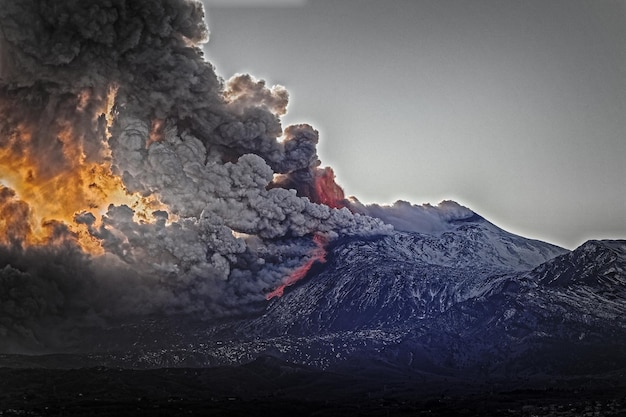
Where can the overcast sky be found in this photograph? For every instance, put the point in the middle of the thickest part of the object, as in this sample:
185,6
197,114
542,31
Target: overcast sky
515,109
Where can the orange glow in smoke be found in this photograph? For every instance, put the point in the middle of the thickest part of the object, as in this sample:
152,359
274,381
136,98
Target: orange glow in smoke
45,189
156,132
318,254
109,111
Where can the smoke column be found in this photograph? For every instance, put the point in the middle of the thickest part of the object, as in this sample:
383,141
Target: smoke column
137,181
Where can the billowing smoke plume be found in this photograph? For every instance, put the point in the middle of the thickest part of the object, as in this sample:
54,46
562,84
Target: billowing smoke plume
408,217
135,180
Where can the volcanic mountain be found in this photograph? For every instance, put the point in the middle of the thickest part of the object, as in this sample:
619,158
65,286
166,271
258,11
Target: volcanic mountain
472,297
462,309
154,215
468,299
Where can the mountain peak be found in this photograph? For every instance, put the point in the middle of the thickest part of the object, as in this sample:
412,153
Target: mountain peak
616,246
595,262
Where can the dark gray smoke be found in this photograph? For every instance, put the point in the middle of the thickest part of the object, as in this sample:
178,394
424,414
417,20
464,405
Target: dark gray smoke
208,150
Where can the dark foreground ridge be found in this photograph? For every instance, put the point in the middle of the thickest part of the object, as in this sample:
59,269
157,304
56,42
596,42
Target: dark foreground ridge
269,387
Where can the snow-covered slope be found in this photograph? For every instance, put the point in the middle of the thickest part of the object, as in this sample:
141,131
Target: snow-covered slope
452,235
596,263
373,302
391,280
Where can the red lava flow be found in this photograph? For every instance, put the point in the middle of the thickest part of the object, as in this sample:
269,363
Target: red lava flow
318,254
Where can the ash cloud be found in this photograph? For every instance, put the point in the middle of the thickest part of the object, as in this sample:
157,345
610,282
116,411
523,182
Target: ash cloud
228,232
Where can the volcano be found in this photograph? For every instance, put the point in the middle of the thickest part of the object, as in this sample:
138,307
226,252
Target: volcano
461,310
163,237
470,300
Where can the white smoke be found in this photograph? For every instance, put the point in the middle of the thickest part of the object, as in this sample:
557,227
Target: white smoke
408,217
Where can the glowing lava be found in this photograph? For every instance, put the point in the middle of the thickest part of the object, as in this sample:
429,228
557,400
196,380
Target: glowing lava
327,190
318,254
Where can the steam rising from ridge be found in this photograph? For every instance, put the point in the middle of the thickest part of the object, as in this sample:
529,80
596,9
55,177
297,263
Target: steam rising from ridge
135,180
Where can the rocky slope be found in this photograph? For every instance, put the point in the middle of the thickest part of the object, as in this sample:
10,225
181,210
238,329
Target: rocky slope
467,301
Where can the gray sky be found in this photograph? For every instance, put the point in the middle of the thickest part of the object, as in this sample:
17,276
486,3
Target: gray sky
516,109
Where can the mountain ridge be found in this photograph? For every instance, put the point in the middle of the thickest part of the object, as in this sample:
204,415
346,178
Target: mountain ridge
470,301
